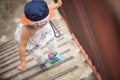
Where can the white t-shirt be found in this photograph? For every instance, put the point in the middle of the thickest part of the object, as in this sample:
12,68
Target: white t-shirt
40,38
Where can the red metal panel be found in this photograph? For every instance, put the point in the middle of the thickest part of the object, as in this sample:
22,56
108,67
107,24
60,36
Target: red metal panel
106,34
93,24
79,26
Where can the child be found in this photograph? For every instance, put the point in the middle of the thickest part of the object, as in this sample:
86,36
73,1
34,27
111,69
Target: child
36,32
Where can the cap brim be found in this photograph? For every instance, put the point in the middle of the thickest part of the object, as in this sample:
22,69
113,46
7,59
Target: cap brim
26,22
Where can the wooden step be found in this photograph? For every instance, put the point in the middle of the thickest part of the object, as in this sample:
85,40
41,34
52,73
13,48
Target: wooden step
38,72
49,68
72,68
90,76
9,54
8,50
7,47
6,43
58,69
16,59
63,72
74,75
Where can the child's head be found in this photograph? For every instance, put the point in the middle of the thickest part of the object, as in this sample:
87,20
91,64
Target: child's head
36,11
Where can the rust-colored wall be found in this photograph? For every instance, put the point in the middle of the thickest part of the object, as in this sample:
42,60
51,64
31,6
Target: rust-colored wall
107,35
96,28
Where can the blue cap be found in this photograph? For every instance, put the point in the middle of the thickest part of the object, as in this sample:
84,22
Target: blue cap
36,10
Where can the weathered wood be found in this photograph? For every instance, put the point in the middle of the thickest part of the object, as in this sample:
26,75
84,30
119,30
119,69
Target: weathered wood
39,72
63,72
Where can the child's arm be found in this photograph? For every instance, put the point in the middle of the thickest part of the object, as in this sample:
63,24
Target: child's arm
56,5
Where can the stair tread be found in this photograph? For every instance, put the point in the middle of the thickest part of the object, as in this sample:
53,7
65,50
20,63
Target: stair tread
63,72
39,71
9,51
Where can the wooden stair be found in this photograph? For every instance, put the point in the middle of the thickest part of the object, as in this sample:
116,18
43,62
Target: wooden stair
74,67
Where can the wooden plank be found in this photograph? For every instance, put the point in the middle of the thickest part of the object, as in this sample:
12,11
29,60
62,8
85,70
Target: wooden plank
43,70
39,72
59,39
10,53
8,50
12,68
67,50
62,44
63,72
3,44
7,47
12,62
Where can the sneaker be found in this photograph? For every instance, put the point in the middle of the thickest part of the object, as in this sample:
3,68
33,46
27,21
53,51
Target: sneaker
55,57
45,64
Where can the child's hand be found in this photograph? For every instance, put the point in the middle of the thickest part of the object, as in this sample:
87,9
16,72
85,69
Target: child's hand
55,5
59,3
22,66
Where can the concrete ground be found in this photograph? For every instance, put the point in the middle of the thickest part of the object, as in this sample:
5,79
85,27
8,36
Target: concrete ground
74,67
